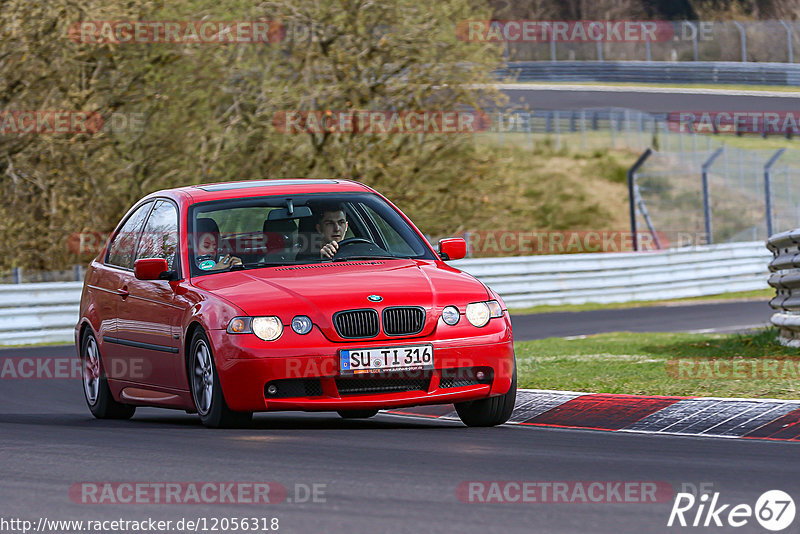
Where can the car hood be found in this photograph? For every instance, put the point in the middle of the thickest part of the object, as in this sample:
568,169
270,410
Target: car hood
319,290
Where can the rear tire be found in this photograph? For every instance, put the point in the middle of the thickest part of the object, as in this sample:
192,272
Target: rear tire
357,414
95,384
206,390
492,411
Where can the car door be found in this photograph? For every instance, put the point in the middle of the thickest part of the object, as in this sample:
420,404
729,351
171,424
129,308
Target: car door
110,286
148,325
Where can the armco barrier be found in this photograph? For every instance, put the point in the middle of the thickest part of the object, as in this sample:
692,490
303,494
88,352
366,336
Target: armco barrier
785,278
43,312
623,277
703,72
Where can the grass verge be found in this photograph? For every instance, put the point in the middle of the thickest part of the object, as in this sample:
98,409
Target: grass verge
711,365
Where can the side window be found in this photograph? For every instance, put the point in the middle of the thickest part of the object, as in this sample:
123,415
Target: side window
394,241
160,236
123,246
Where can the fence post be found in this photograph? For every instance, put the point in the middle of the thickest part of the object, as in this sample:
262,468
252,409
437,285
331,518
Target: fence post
632,195
599,51
553,45
767,193
744,40
706,201
694,39
16,274
789,48
78,271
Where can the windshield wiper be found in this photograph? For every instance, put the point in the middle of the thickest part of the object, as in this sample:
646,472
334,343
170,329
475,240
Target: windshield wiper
367,257
263,264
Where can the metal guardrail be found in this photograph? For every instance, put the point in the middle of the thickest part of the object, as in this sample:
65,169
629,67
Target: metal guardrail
700,72
47,312
623,277
785,278
38,313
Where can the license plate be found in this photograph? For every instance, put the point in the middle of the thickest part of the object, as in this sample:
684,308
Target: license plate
376,360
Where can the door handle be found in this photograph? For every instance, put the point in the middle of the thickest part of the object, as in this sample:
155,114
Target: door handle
123,292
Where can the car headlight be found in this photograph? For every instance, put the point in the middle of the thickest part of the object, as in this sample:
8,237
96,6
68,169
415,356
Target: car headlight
479,313
267,328
450,315
301,324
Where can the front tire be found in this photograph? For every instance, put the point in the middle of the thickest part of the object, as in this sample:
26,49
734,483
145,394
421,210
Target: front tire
95,384
206,390
492,411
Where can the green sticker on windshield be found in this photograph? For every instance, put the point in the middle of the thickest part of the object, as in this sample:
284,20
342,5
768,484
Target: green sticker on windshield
207,264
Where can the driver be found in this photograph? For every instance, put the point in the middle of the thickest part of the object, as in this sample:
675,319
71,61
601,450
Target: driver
332,226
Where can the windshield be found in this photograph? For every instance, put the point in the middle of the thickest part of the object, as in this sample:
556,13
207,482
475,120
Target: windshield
253,233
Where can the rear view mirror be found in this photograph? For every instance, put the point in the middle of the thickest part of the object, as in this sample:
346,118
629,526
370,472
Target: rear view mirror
280,214
150,268
452,248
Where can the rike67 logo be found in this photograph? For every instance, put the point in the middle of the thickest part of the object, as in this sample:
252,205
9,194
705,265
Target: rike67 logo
774,510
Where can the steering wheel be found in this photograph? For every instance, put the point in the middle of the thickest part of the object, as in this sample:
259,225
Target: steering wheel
354,240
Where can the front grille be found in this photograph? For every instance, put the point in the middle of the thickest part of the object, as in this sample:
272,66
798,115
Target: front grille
356,323
403,321
294,387
464,376
383,384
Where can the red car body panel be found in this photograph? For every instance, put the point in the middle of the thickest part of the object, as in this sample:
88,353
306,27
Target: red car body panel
129,317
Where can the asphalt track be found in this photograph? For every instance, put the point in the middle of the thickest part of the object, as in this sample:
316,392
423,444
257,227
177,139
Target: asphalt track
652,100
387,474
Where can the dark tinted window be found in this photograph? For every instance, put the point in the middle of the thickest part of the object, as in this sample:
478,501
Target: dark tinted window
123,246
160,236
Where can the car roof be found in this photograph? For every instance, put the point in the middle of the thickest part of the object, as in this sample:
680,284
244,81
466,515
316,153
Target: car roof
258,188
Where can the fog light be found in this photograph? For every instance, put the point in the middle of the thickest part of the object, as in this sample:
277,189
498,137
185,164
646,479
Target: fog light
480,375
301,324
272,389
450,315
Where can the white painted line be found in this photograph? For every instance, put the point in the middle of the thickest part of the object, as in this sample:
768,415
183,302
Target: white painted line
639,89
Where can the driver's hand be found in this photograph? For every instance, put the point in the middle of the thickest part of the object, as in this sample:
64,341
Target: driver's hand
329,250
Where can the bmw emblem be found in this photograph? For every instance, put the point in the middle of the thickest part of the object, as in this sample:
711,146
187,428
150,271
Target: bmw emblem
375,298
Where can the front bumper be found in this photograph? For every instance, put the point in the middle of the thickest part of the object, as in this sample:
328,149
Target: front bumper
246,365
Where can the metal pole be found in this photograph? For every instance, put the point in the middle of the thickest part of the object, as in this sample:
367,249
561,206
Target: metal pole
599,51
767,194
647,47
789,48
632,195
694,39
706,200
16,273
553,45
744,40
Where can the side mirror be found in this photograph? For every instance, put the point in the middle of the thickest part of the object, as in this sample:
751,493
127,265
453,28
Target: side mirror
452,248
150,268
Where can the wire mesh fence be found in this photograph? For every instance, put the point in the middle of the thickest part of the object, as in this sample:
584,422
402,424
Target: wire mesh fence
669,188
756,41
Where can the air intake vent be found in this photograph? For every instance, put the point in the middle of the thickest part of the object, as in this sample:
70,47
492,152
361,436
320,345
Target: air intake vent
355,324
384,384
403,321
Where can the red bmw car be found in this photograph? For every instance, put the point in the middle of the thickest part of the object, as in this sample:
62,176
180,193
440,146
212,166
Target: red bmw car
317,295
